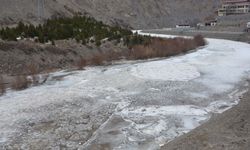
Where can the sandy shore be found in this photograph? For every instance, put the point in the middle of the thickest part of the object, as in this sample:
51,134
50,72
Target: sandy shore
227,131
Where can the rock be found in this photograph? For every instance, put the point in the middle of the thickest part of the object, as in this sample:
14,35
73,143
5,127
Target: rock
129,13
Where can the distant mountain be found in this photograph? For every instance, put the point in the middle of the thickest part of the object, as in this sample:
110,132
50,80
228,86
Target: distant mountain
136,14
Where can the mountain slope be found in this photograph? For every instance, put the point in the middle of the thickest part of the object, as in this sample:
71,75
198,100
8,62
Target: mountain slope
133,13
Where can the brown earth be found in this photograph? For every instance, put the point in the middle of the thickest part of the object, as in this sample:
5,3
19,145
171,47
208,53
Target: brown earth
26,57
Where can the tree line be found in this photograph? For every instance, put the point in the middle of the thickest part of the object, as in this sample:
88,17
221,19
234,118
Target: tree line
81,28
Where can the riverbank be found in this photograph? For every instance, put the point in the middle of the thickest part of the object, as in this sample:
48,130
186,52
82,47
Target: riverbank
141,105
227,131
234,36
23,62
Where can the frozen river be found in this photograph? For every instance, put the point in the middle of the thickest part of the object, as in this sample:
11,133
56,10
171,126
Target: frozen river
130,105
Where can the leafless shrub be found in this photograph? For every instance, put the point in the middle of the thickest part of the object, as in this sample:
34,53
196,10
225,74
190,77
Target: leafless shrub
112,55
97,59
141,52
199,40
2,86
32,69
81,63
35,80
20,83
56,50
158,47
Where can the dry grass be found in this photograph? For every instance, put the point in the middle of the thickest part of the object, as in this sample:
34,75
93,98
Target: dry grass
20,83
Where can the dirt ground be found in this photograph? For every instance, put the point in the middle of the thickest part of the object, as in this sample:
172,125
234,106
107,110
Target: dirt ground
26,57
227,131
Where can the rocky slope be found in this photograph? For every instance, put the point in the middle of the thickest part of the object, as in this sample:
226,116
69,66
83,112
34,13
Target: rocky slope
131,13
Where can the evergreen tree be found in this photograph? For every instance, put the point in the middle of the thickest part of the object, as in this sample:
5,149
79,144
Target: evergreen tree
98,43
80,28
53,42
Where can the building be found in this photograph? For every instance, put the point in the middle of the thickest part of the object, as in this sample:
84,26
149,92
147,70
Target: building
211,23
248,27
183,26
234,7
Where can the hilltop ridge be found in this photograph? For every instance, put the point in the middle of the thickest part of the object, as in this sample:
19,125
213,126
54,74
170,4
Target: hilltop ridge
137,14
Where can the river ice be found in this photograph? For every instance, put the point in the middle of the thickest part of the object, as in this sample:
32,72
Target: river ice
133,105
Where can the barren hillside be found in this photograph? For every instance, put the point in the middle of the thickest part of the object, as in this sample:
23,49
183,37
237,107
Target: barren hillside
133,13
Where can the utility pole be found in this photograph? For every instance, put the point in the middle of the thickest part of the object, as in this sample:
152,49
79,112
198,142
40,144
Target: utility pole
40,9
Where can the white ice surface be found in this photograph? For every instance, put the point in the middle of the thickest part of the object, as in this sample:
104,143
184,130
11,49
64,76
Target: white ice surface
165,70
218,68
189,115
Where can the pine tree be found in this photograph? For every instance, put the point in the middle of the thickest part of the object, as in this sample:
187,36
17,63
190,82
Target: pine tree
81,28
53,42
98,43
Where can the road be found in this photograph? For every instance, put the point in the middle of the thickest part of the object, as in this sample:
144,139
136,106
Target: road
235,36
128,105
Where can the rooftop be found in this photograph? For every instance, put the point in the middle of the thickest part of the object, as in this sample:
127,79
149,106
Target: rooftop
235,1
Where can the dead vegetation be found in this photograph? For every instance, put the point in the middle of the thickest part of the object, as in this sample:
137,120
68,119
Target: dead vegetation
137,47
2,86
98,59
159,47
32,69
20,83
156,47
81,63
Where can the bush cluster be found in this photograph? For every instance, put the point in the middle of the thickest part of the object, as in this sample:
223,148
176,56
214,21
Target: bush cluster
2,86
158,47
149,47
81,28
